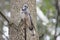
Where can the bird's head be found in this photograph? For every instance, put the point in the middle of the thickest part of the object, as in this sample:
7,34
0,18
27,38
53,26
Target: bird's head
25,6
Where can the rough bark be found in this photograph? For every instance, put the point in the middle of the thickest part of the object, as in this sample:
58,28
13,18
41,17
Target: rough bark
19,33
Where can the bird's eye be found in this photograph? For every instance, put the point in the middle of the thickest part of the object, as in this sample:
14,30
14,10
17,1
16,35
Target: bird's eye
26,6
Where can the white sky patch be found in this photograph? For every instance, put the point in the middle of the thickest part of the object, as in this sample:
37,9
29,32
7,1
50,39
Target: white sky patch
8,14
51,29
5,23
5,30
58,30
41,15
37,0
47,37
53,32
58,38
34,32
54,20
44,23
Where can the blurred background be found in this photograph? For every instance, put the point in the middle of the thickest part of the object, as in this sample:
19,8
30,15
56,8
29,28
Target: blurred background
5,9
48,21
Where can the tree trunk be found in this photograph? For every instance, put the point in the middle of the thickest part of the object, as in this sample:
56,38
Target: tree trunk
18,32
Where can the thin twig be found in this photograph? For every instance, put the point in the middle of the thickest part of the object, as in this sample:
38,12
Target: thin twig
10,24
4,16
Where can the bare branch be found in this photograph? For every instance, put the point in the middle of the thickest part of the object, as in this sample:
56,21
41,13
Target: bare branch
4,16
9,23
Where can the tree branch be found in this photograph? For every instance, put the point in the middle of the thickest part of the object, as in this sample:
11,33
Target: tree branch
4,16
9,23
